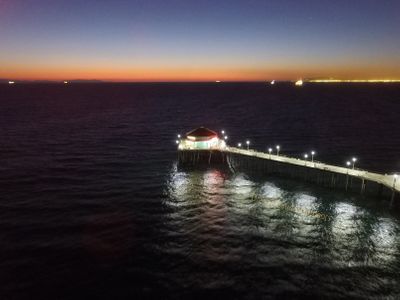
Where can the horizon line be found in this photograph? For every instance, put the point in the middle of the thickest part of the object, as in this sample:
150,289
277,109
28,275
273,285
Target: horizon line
309,80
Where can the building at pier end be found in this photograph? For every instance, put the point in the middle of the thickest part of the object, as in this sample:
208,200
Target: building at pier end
201,138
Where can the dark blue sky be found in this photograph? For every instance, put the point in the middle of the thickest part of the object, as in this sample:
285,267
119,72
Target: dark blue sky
199,40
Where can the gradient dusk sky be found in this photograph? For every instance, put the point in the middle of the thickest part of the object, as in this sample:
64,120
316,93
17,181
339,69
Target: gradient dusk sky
171,40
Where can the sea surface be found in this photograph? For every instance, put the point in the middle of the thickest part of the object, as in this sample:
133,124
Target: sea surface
93,204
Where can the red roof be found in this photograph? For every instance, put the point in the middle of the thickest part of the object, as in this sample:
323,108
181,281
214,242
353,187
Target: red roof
202,132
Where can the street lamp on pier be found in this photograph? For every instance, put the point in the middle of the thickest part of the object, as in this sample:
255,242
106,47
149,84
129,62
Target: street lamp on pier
354,161
305,159
394,180
277,149
348,164
240,145
248,143
312,155
270,151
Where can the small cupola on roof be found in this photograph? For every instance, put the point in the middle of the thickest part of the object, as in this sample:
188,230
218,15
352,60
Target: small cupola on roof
201,138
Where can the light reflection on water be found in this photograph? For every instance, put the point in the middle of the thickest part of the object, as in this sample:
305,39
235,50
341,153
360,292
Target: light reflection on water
94,165
230,218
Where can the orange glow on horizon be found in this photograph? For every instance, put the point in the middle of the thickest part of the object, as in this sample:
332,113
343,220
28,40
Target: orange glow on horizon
191,73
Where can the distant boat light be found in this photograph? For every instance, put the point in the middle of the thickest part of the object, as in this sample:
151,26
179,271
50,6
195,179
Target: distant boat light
299,82
11,82
273,82
217,81
65,82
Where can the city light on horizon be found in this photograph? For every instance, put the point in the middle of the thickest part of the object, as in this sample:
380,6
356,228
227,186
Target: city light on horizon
354,80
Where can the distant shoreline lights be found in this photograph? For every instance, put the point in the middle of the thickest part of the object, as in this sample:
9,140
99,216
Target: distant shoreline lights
354,80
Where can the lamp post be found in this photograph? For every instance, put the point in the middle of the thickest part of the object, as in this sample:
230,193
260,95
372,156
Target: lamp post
223,132
277,149
240,145
248,143
354,161
394,188
179,136
269,151
225,137
177,142
312,155
305,156
348,163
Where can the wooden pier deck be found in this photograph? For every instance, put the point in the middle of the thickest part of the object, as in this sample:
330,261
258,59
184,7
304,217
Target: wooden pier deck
388,181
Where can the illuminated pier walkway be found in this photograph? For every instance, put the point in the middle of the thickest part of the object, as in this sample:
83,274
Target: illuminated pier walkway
203,144
386,180
343,175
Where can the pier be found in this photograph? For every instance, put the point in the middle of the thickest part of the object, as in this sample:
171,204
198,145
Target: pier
386,180
348,178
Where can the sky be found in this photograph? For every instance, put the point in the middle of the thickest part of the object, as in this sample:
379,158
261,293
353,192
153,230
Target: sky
201,40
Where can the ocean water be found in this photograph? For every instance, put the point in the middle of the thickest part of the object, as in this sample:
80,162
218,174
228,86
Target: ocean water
94,205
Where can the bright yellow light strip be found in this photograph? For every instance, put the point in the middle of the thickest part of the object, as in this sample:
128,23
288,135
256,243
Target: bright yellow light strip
353,80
